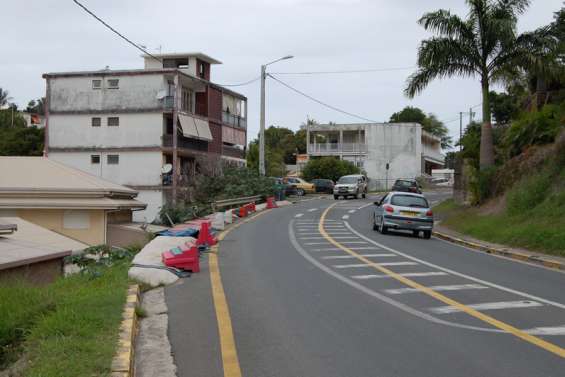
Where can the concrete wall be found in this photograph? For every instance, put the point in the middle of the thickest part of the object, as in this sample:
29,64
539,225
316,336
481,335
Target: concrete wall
134,130
135,92
154,200
39,273
94,232
400,145
134,168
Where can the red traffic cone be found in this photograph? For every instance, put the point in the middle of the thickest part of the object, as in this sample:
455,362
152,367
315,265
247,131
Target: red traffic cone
205,237
271,202
242,211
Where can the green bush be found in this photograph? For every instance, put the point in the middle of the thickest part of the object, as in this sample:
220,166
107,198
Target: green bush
528,193
481,184
328,168
534,128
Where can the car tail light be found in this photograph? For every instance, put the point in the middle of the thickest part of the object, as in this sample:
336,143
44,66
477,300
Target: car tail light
429,213
389,209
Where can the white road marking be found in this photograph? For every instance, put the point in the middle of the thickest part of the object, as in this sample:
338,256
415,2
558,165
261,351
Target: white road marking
328,249
345,217
351,211
366,205
380,264
487,306
312,221
555,330
438,288
312,209
408,274
353,256
364,248
323,238
452,272
354,242
299,215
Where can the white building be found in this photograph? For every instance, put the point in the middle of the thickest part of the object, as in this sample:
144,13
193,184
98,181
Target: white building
118,124
404,148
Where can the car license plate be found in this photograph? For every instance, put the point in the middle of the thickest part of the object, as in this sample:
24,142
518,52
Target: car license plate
408,213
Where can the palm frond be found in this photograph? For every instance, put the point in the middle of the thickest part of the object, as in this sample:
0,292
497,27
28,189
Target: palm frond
445,24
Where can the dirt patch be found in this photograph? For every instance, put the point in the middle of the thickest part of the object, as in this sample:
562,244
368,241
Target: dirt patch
495,206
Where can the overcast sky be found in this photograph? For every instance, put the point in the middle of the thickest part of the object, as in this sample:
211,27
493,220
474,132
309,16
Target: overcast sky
56,35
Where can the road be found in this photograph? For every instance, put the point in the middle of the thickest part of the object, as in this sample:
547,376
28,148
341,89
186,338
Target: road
312,290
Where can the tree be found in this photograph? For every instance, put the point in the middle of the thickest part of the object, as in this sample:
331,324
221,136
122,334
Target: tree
21,141
483,45
429,123
36,106
328,168
4,97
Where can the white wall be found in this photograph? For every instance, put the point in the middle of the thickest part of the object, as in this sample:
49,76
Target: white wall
135,129
135,92
400,145
134,168
154,200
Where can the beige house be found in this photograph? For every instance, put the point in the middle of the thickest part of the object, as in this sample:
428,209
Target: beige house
62,199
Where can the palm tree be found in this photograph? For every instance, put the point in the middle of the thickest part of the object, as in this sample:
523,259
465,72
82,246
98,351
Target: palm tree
4,97
483,45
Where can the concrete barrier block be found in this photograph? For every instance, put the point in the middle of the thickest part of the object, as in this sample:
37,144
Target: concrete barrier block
228,216
218,221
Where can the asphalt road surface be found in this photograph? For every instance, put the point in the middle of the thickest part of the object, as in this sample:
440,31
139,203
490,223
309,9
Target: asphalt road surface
314,291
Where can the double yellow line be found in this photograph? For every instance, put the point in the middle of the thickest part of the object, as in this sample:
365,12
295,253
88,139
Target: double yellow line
430,292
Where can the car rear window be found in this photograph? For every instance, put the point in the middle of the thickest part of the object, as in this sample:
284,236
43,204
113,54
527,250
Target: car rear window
409,201
405,183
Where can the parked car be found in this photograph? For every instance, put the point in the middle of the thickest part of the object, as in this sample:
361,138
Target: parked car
351,185
302,187
324,185
405,211
407,185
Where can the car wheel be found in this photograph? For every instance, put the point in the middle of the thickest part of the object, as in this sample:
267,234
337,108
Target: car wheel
364,195
384,228
336,197
427,234
415,233
300,192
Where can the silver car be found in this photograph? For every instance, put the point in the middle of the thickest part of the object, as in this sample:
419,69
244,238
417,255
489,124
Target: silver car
351,185
404,211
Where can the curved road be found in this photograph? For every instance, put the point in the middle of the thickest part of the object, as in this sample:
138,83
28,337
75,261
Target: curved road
312,290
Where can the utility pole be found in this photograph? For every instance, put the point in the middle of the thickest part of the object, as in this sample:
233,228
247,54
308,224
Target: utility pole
460,130
262,123
471,115
262,116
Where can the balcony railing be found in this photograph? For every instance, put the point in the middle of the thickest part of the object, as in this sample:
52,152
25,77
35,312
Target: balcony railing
336,148
234,120
168,102
228,150
186,143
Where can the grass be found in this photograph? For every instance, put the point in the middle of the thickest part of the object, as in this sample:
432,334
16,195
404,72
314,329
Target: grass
68,328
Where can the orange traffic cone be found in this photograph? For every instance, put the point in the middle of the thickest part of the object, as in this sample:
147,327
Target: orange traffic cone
205,237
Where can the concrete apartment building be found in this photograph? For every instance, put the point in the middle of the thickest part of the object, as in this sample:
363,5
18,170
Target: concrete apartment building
405,147
120,124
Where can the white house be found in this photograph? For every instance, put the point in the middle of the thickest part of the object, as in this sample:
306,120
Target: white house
385,151
145,128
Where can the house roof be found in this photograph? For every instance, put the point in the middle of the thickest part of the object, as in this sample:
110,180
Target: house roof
197,54
32,182
32,243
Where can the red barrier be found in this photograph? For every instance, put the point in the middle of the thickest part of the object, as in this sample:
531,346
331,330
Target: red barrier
250,207
242,211
186,258
271,202
205,237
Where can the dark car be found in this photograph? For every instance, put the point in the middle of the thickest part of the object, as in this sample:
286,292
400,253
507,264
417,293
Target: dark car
407,185
323,185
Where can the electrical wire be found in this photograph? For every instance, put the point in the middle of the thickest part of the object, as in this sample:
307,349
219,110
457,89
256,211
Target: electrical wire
116,32
320,102
243,83
345,71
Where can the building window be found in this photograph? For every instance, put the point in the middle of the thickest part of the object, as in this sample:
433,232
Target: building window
113,84
113,121
95,159
113,159
187,96
96,122
96,84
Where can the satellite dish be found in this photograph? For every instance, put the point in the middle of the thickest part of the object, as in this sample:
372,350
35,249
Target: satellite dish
167,168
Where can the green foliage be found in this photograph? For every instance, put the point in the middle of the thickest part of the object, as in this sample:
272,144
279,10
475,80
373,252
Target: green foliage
328,168
206,188
429,123
540,127
408,115
528,193
94,261
481,184
504,106
19,140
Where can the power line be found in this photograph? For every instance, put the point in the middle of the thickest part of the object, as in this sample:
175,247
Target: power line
320,102
346,71
116,32
243,83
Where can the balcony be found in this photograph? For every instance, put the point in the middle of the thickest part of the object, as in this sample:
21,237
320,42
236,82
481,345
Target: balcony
168,102
185,143
328,149
231,151
234,120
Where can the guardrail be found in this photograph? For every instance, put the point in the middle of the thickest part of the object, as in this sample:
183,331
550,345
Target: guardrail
230,202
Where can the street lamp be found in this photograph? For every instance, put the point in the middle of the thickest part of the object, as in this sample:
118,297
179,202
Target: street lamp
262,118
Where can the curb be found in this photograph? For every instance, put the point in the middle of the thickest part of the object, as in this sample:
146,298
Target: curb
502,252
123,361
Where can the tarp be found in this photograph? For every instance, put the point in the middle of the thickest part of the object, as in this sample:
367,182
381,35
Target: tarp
186,232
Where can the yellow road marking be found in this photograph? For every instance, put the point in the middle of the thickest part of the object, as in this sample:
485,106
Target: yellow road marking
230,360
430,292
